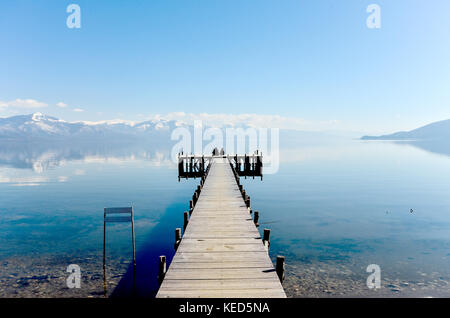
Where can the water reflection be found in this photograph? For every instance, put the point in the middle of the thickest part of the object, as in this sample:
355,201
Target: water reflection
439,146
42,156
334,207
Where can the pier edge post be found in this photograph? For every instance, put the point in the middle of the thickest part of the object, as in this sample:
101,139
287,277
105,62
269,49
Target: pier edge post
186,220
161,268
280,268
177,238
256,218
247,200
266,238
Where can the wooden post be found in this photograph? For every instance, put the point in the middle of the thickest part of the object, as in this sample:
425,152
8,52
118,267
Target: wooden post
177,238
266,238
266,235
280,268
191,205
190,212
203,165
243,194
247,200
195,197
134,250
180,167
253,166
186,221
161,268
199,189
104,252
256,218
245,163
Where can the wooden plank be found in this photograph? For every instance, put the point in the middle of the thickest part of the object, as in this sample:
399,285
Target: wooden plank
220,256
222,293
214,284
221,273
220,234
232,240
247,226
198,247
222,264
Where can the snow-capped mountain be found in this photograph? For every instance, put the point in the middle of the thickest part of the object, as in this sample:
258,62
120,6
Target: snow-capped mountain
38,125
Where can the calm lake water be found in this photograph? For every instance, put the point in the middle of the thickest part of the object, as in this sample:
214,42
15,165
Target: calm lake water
334,207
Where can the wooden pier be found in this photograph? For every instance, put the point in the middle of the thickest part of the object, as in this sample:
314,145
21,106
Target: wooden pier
221,253
194,166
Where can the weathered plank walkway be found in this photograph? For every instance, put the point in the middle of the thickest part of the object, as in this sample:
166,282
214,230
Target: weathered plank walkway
221,253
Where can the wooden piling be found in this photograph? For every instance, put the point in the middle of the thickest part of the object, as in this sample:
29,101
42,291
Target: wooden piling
104,254
186,221
161,268
194,198
247,201
280,268
256,218
266,238
177,238
134,250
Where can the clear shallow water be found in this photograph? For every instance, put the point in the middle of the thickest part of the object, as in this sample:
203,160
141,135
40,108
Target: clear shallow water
334,207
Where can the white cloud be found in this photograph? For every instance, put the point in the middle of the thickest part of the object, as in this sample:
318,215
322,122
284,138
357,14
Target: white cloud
108,122
78,110
62,105
252,120
23,103
234,120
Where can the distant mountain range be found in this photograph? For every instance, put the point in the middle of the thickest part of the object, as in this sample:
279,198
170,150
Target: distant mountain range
38,125
435,131
43,127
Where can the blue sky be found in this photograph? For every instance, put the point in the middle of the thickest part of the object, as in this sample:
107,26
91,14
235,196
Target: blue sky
315,61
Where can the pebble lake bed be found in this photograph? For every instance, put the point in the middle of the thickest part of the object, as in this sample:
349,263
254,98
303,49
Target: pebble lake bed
46,277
